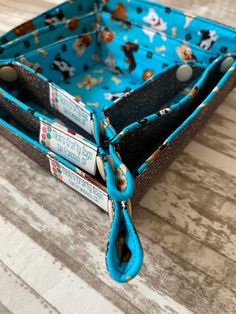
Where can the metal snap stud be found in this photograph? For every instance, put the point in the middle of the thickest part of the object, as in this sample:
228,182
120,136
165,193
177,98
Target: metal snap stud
8,74
184,73
226,64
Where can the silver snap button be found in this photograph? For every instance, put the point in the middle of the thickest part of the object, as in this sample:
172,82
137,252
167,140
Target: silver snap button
184,73
226,64
8,74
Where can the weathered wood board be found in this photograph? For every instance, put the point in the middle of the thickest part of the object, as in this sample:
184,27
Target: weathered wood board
52,244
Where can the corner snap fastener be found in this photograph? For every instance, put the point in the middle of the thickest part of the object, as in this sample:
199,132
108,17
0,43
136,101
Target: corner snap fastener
8,74
184,73
226,64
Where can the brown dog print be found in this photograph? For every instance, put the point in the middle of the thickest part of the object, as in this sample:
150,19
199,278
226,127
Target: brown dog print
120,14
185,53
107,35
81,43
129,50
147,74
89,82
72,24
24,28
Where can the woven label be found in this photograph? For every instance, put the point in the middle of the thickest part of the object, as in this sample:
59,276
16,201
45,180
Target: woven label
79,183
69,145
70,108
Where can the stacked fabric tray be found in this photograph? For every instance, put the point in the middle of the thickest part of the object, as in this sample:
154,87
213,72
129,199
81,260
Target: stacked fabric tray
104,94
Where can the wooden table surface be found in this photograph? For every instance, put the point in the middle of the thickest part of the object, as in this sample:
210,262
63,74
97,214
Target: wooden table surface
52,241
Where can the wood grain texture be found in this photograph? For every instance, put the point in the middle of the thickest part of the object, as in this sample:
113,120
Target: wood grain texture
52,244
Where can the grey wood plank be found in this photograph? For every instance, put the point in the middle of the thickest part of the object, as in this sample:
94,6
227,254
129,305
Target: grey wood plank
230,101
189,249
13,13
4,310
217,141
17,297
205,175
193,209
72,231
227,112
212,157
48,277
223,126
215,10
71,262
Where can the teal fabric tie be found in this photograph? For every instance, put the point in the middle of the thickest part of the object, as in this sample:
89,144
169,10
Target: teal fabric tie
124,254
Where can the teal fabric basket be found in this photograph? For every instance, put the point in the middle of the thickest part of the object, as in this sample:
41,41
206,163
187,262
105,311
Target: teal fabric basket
102,88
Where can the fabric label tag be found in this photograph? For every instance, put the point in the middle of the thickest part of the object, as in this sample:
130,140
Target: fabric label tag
79,183
69,145
70,108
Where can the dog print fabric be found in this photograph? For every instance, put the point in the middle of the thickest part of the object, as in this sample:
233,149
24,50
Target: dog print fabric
156,23
102,51
172,23
117,62
102,58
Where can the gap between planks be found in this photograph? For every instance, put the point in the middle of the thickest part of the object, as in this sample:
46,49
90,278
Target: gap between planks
48,277
101,270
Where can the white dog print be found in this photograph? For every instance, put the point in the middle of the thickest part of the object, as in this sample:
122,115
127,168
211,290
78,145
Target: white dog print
156,23
208,38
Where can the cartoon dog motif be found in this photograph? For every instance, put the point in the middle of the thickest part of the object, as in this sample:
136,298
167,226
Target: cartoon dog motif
129,50
62,66
107,35
72,24
208,38
120,14
163,112
117,95
89,82
147,75
111,64
185,53
35,66
81,43
52,19
78,98
156,23
24,28
36,37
